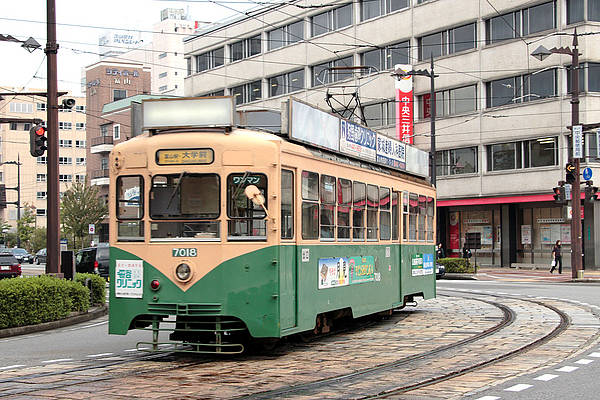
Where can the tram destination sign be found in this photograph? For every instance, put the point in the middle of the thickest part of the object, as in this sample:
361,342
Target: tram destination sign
184,156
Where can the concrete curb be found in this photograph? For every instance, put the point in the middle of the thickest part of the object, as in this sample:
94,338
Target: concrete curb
453,276
92,313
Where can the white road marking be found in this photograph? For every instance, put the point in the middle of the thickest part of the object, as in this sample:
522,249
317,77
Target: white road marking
88,326
131,350
584,361
595,355
57,360
12,366
489,398
567,368
545,377
100,355
518,388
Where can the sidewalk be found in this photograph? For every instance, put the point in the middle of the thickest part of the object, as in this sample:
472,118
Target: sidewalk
538,274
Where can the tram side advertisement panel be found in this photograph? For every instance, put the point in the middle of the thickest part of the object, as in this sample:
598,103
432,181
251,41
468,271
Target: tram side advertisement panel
422,264
344,271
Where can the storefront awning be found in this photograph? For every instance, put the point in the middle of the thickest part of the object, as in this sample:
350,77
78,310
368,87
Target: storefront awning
496,200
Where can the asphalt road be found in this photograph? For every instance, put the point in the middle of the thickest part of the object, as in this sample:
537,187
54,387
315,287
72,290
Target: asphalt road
575,378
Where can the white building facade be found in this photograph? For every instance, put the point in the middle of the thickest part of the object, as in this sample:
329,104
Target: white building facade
501,127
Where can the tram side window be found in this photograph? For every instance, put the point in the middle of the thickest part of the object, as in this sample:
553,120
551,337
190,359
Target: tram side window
384,214
395,216
430,215
193,198
358,211
287,204
413,213
328,207
422,216
344,200
246,219
405,215
372,206
130,208
310,209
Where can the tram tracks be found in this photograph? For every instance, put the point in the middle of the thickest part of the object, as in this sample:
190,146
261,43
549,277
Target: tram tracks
377,374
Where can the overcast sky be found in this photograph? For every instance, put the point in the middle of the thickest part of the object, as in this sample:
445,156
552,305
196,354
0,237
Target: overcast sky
80,24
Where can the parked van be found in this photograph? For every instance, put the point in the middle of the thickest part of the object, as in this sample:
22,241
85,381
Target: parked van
93,260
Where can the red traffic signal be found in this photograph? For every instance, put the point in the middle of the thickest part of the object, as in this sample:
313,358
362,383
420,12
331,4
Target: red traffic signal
37,141
559,194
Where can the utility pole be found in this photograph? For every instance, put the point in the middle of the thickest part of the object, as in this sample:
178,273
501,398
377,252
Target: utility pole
18,199
53,228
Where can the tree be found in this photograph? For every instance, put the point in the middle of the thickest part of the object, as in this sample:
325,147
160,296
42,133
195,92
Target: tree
25,225
38,239
81,205
4,230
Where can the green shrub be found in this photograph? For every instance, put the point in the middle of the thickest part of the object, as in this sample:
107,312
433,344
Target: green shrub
98,287
457,265
28,301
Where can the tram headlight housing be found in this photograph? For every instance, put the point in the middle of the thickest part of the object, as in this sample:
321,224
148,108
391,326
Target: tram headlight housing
183,272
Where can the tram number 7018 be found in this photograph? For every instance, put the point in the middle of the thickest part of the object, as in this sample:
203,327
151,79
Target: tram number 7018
184,252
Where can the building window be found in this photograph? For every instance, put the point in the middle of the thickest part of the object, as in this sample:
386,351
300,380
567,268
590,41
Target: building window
162,88
285,35
40,195
456,161
119,94
286,83
80,126
41,106
80,160
162,75
527,21
40,212
386,58
245,48
211,59
322,74
104,129
116,132
42,160
26,126
450,102
162,55
65,160
24,108
374,8
522,88
448,42
80,178
65,178
380,114
65,143
540,152
246,93
104,163
14,126
65,125
40,178
80,109
188,62
331,20
80,144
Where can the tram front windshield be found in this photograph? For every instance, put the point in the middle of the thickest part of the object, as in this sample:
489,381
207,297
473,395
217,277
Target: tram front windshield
193,198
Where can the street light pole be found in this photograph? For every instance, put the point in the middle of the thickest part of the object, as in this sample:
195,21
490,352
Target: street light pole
576,249
53,226
18,199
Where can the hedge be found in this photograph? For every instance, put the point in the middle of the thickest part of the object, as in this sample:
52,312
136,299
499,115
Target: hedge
98,287
28,301
457,265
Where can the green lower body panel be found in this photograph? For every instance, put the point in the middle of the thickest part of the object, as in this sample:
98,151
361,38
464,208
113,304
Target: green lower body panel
278,290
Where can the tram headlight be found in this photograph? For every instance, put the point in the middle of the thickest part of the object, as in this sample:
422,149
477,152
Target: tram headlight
183,272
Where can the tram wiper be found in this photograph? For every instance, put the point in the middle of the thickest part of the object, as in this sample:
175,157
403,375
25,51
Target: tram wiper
176,188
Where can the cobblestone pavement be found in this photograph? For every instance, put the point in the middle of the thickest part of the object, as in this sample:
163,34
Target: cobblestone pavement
434,323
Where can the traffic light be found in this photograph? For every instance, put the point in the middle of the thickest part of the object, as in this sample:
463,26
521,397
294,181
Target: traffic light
591,193
559,195
570,176
37,141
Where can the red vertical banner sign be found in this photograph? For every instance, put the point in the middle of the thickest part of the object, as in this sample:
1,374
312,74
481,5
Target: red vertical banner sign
404,105
454,230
